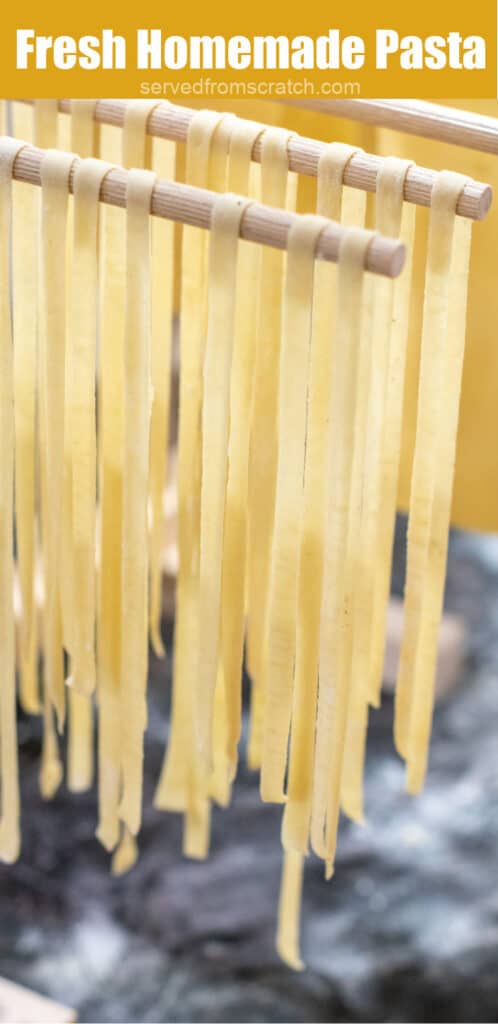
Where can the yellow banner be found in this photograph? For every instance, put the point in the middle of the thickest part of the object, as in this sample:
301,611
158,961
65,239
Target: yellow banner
255,50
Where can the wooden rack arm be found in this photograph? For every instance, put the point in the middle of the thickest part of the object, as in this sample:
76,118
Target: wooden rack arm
416,117
170,121
189,205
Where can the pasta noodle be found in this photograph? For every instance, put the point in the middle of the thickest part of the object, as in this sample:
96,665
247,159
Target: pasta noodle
134,579
443,366
45,135
330,198
111,429
81,418
289,906
282,602
234,576
296,819
55,171
391,452
424,474
181,785
24,289
336,625
263,451
85,138
373,402
164,157
9,782
227,214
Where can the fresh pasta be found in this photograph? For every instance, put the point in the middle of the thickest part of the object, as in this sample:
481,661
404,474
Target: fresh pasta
10,839
289,436
264,442
441,368
84,140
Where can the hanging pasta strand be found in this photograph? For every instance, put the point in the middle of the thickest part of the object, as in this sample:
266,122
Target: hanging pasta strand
45,136
181,785
136,149
425,469
296,818
111,434
282,600
336,626
432,600
312,742
263,451
85,142
244,135
164,161
137,152
9,772
225,223
80,418
373,405
391,453
285,593
219,779
55,170
289,908
134,579
25,317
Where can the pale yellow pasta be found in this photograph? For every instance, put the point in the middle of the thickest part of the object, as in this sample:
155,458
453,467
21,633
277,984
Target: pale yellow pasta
84,140
131,149
425,466
263,450
134,577
296,819
181,785
111,427
80,418
9,782
336,626
163,162
25,322
125,854
372,402
289,907
234,576
225,221
283,583
138,150
55,170
45,135
445,441
391,453
25,316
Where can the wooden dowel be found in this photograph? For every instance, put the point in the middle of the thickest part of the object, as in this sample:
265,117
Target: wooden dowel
170,121
415,117
189,205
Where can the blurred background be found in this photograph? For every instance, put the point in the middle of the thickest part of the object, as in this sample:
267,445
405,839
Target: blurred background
407,930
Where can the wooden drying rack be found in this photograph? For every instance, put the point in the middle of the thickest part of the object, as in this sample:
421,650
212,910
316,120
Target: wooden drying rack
416,117
190,205
169,121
